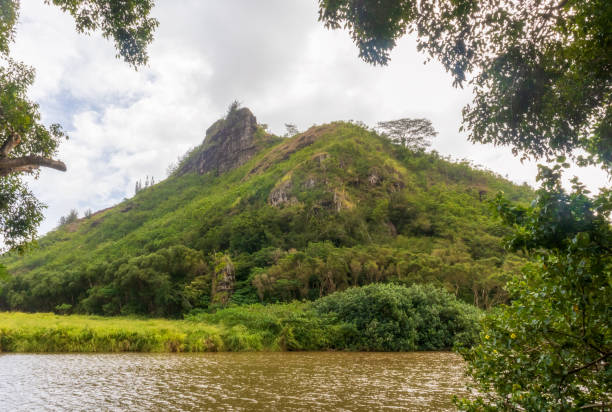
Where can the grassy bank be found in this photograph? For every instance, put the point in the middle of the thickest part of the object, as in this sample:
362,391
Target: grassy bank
47,332
247,328
373,318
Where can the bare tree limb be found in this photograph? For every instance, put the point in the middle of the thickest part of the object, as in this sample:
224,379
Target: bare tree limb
28,164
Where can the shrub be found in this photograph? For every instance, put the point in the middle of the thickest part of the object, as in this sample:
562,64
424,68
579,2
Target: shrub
390,317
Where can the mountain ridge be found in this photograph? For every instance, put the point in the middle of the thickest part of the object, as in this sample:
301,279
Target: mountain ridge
297,218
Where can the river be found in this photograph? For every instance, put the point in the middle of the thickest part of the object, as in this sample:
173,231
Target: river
312,381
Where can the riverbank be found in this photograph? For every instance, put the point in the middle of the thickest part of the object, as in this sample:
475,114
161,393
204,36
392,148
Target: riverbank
47,332
372,318
254,328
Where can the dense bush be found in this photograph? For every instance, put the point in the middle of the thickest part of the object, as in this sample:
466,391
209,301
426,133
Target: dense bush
550,349
291,326
389,317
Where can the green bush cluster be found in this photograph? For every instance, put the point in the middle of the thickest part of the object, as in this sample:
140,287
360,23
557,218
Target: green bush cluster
373,318
388,317
377,317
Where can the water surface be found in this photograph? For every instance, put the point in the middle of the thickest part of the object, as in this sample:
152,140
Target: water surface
313,381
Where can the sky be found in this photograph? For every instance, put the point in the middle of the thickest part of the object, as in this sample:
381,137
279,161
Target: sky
271,55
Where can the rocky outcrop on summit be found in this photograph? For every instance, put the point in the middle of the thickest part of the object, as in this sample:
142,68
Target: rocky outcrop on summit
229,143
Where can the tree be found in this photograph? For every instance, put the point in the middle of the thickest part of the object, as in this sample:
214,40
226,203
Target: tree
233,108
292,129
550,349
26,144
137,187
71,217
541,70
412,133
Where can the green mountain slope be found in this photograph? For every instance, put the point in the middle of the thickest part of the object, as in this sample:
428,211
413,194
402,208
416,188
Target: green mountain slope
251,217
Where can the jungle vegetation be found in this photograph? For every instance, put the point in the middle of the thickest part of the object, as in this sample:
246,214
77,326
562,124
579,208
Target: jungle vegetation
357,209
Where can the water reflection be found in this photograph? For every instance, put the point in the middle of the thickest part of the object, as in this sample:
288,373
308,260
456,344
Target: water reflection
231,381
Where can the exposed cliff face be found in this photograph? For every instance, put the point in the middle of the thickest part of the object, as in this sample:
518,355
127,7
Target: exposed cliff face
229,143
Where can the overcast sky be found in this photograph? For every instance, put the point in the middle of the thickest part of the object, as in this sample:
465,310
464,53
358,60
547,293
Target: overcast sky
271,55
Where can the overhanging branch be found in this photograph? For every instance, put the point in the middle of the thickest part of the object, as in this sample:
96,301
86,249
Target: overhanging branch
28,164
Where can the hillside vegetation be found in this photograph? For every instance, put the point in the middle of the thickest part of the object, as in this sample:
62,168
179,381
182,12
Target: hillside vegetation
299,218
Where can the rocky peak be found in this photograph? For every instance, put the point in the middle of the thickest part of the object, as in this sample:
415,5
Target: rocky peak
229,143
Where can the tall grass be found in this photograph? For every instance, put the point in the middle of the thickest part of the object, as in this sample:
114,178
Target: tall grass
247,328
46,332
376,317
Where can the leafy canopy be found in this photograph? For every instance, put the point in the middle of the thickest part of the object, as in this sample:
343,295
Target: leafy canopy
540,69
412,133
126,22
550,349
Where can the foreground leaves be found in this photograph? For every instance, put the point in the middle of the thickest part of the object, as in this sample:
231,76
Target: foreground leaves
550,349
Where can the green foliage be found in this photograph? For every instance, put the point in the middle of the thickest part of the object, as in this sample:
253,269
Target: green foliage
290,326
71,217
550,349
25,142
20,213
127,23
359,210
63,309
396,318
232,108
292,129
415,134
322,268
541,80
45,332
9,11
541,69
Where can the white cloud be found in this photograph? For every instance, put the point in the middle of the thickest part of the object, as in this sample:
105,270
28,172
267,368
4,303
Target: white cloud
273,55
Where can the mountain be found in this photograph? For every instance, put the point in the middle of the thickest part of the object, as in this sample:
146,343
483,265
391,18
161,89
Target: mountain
248,216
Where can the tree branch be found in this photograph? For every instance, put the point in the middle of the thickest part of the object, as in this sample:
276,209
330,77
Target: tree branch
10,143
588,365
28,164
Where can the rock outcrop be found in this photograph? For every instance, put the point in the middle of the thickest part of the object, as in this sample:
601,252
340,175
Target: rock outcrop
223,280
229,143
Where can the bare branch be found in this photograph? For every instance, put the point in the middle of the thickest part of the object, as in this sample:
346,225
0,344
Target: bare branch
28,164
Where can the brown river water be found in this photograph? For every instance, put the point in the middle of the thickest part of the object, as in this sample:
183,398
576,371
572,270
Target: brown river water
309,381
